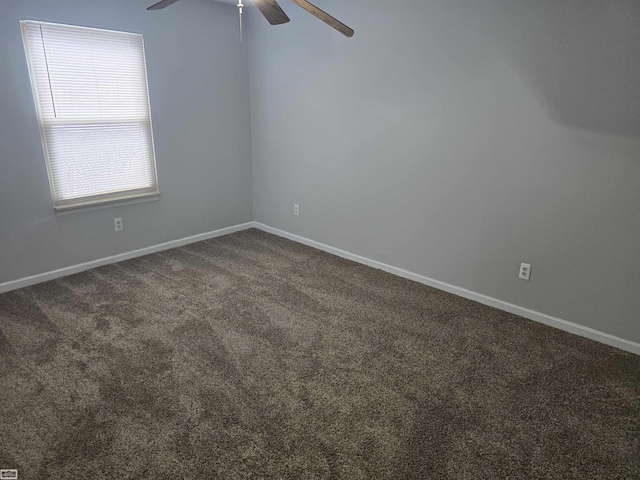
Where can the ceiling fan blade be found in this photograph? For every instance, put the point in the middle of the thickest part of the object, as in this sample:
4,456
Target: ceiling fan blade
272,11
161,4
325,17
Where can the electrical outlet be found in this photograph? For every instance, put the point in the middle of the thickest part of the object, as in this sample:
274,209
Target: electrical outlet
525,271
118,224
296,209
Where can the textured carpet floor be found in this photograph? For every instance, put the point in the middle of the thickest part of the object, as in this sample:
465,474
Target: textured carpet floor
250,356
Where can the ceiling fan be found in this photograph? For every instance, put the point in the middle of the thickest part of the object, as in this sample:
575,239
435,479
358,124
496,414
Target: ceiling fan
276,16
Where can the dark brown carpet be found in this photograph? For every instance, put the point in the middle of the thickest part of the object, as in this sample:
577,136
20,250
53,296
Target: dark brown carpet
250,356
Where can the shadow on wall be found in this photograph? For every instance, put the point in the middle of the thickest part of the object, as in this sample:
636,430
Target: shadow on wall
586,67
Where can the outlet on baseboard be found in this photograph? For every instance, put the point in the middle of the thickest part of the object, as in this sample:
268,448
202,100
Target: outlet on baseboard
525,271
118,224
296,209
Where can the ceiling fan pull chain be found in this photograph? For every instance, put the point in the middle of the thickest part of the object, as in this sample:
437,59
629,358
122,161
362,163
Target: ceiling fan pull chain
240,5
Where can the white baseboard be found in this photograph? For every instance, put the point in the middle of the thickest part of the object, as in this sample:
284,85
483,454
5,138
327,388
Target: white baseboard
81,267
570,327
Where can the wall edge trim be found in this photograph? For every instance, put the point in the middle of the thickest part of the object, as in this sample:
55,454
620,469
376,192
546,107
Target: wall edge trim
570,327
81,267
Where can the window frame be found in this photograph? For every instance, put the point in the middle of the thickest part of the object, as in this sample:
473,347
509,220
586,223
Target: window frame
100,200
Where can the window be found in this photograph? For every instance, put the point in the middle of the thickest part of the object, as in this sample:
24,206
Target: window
92,100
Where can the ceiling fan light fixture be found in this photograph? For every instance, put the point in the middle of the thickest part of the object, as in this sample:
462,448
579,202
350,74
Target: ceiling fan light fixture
275,15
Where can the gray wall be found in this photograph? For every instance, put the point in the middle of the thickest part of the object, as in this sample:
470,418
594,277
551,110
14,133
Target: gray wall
452,138
458,138
199,90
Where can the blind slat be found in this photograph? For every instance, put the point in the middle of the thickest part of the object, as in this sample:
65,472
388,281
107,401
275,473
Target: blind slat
91,93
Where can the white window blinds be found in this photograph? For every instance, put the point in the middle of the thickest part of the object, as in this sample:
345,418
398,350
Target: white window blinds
90,89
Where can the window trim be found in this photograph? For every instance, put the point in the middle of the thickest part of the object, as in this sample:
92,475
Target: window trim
103,200
69,210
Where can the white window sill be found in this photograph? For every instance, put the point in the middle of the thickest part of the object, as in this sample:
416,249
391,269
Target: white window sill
100,204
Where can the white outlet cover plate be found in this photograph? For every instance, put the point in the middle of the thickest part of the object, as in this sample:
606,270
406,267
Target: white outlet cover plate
525,271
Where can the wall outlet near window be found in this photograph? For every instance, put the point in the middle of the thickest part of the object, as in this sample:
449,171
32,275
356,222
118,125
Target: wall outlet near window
525,271
118,224
296,209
